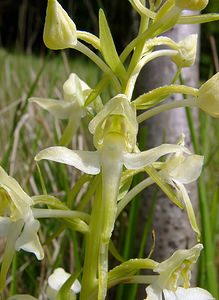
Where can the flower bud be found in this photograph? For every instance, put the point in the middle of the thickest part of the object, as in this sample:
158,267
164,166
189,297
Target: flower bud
192,4
59,29
187,51
208,97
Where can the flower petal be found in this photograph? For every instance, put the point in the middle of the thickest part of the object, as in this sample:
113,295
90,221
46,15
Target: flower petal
191,294
139,160
28,240
188,170
59,277
153,292
60,109
14,231
20,199
86,161
189,208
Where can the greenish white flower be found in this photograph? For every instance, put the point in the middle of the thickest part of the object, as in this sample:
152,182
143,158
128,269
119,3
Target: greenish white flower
16,222
75,91
59,30
176,271
56,281
71,107
114,129
187,49
208,96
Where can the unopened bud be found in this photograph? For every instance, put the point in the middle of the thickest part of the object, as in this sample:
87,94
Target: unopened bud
208,98
187,51
59,29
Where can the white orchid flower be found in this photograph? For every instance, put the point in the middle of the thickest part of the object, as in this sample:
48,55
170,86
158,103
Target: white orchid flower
114,129
173,271
16,222
56,281
71,107
180,169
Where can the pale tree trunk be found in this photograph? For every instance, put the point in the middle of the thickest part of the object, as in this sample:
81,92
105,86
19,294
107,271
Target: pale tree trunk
171,225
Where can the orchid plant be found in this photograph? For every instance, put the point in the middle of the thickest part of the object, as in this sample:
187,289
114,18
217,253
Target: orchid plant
116,158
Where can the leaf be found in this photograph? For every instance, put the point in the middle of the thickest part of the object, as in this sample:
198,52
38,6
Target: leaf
108,47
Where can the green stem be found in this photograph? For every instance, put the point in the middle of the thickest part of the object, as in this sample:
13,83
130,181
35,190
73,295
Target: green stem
164,107
92,246
140,64
56,213
132,193
156,28
99,62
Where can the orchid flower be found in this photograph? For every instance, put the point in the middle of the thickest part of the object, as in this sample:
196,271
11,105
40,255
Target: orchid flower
71,107
173,271
16,222
179,170
114,129
56,281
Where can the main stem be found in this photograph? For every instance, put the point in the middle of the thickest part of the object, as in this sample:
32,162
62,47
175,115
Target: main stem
89,279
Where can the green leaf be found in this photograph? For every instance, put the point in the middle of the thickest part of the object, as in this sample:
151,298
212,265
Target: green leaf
108,48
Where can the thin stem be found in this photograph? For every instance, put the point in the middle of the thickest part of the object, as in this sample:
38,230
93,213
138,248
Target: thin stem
89,38
132,193
167,106
56,213
141,63
99,62
139,279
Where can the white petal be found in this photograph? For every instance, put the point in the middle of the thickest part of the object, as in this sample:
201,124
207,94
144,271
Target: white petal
86,161
59,277
139,160
153,292
28,240
58,108
5,223
189,170
20,199
192,294
170,295
75,89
